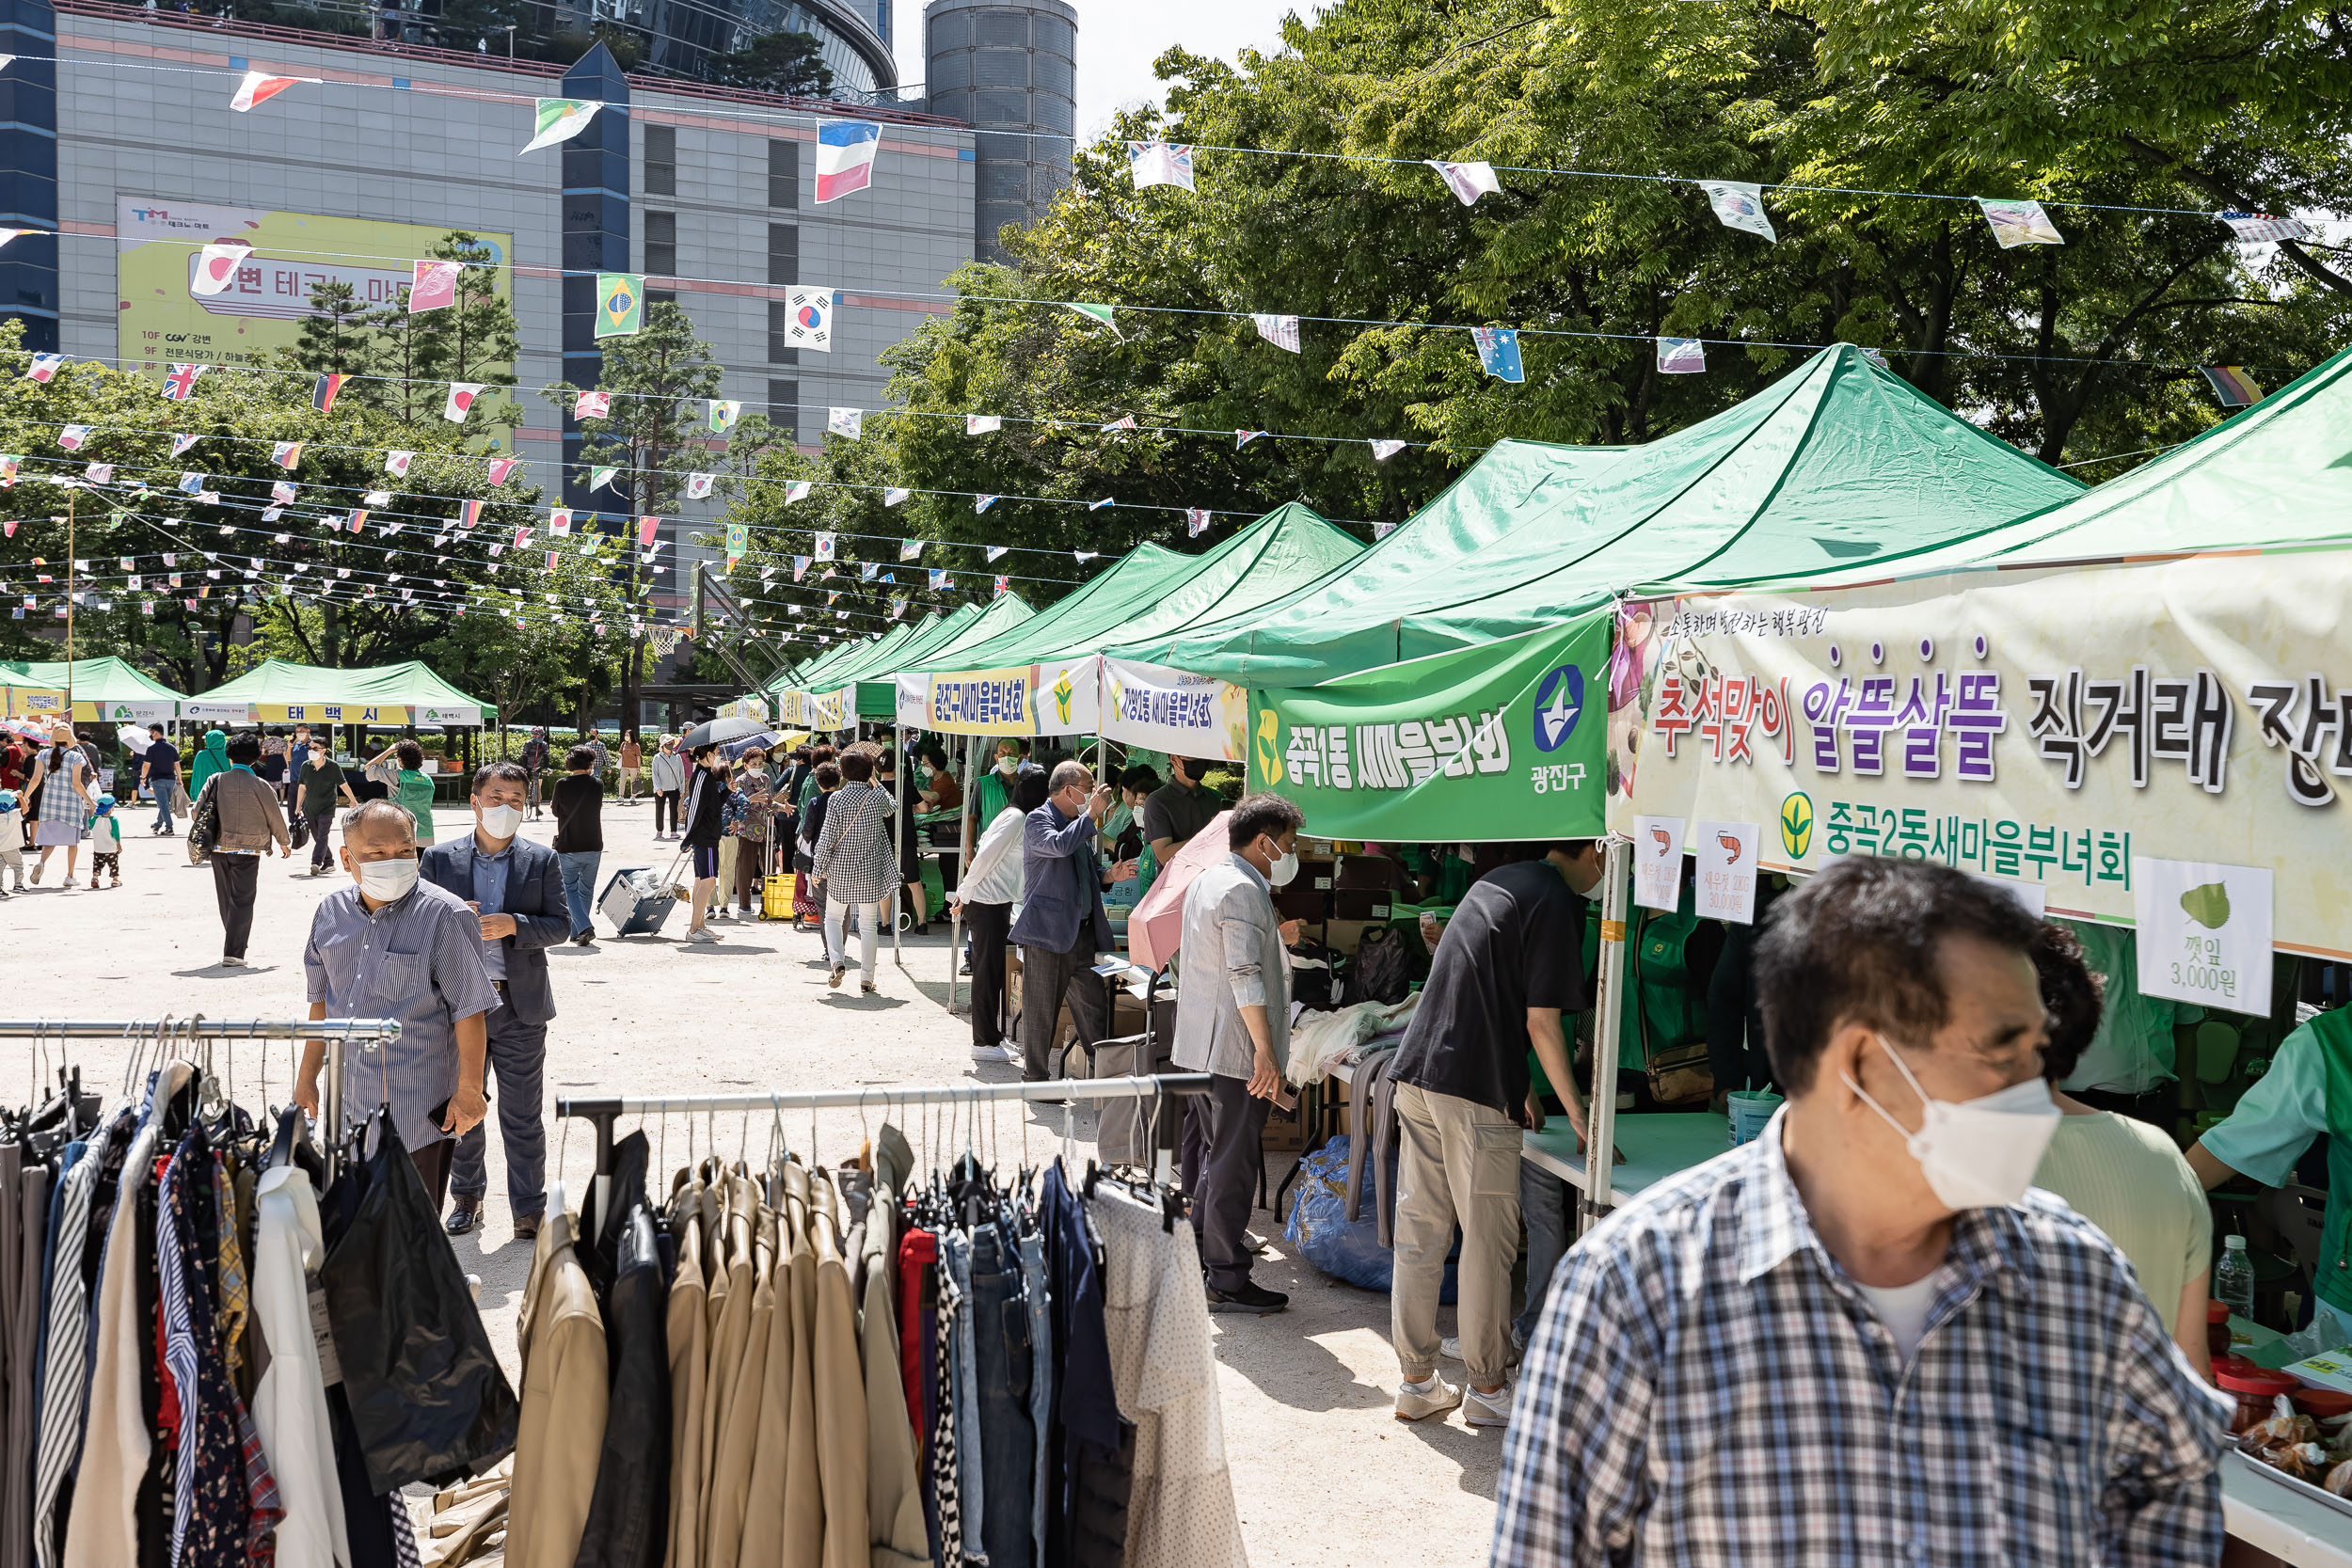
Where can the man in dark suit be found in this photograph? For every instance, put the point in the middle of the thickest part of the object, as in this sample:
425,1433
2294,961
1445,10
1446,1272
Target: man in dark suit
516,888
1063,924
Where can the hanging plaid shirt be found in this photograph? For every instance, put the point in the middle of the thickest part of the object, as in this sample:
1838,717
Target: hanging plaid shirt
1708,1385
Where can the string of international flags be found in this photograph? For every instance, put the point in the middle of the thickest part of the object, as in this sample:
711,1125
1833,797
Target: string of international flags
847,148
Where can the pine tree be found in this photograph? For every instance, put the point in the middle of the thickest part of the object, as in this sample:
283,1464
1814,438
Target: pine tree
334,337
658,380
474,339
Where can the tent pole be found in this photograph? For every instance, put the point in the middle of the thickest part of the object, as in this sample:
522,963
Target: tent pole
1601,1115
964,863
897,850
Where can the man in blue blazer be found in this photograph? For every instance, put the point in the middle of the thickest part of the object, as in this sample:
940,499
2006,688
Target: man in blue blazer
516,889
1063,924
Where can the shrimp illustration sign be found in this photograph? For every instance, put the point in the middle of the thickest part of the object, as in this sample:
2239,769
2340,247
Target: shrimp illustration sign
1481,743
2067,730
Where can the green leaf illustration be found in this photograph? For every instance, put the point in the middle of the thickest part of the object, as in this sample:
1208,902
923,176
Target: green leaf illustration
2209,905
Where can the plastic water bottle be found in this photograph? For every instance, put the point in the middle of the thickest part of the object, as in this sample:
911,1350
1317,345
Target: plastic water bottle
2233,1281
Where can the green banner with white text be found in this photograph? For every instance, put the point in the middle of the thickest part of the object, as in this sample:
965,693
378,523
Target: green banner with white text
1479,744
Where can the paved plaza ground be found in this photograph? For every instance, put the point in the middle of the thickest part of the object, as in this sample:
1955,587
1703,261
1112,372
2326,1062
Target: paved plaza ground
1321,1471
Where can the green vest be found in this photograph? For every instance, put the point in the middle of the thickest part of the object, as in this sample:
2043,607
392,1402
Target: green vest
2332,1032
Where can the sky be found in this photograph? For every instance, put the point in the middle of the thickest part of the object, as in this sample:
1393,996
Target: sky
1117,40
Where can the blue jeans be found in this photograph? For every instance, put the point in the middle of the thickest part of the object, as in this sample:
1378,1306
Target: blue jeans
579,885
1543,1205
162,804
1040,1379
1005,1363
955,1264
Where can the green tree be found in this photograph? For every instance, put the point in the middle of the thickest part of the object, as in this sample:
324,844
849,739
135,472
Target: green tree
789,63
660,380
334,338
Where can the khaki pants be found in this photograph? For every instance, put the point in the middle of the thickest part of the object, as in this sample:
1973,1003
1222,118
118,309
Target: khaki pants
1459,1163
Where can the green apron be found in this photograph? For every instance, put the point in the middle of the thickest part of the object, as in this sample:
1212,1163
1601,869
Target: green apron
2332,1032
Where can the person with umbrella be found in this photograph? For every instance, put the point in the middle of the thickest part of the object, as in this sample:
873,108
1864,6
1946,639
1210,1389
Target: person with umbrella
706,808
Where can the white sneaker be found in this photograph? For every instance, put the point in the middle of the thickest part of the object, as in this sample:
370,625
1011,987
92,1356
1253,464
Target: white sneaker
1434,1396
235,963
701,934
70,881
992,1053
1487,1410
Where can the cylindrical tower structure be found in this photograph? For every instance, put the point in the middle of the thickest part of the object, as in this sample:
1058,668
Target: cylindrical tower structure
1009,67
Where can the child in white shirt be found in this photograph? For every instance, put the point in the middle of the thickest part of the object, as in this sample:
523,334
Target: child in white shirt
11,840
105,840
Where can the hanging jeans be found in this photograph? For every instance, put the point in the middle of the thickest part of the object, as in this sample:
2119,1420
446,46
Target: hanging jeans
1005,1364
580,886
955,1261
1040,1377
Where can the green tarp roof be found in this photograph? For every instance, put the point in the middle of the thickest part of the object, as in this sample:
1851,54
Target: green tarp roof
1134,581
106,679
1282,551
281,680
899,639
2271,477
877,693
1833,464
1003,614
823,673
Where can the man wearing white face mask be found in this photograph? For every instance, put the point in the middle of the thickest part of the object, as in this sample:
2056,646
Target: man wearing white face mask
1935,1363
1232,1021
390,946
515,890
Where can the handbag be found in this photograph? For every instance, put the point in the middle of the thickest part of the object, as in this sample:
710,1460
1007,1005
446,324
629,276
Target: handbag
205,827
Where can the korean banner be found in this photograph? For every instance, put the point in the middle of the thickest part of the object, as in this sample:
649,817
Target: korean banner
1021,698
832,710
1167,710
913,699
1483,743
2054,729
459,715
331,713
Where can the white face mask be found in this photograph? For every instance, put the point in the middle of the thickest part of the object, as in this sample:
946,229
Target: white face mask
385,881
501,821
1285,867
1976,1153
1005,764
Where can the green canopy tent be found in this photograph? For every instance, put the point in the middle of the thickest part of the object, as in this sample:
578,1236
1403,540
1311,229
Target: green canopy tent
279,690
1836,464
887,650
2267,479
104,689
877,689
1146,595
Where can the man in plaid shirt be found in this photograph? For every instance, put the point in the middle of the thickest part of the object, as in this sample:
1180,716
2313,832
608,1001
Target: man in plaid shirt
1861,1340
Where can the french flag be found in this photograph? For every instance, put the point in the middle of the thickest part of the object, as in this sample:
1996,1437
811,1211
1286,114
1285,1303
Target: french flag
845,157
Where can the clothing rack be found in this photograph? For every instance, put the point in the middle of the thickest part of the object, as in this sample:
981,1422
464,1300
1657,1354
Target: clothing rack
602,1113
334,1032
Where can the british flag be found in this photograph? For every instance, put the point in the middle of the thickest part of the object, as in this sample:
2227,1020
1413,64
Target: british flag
180,382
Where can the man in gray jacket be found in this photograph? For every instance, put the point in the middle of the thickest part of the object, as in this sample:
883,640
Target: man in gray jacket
1063,924
1232,1021
515,888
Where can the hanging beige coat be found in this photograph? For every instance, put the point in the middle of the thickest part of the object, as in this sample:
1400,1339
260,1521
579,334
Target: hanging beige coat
565,1395
894,1494
689,1336
738,1423
840,1389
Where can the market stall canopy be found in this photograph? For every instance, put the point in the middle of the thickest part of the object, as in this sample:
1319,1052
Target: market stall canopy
1134,582
104,690
877,697
1836,464
816,673
2269,478
281,691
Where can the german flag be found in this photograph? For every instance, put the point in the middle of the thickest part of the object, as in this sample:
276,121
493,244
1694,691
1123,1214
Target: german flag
322,392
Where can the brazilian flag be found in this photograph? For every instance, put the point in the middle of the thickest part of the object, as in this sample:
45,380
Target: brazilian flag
620,304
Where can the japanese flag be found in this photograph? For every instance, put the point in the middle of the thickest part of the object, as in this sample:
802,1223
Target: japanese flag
396,463
217,266
560,521
981,424
461,400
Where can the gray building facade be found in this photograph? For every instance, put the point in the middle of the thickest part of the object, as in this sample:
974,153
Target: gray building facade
1009,69
708,193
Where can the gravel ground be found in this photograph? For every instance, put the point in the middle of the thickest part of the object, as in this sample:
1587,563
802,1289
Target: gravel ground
1322,1472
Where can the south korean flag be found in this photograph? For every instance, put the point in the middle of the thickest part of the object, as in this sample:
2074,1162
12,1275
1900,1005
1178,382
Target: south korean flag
808,313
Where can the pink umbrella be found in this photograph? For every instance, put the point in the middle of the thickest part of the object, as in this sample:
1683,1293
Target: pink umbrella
1156,929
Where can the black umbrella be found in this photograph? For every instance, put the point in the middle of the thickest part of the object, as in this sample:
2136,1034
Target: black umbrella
720,729
766,740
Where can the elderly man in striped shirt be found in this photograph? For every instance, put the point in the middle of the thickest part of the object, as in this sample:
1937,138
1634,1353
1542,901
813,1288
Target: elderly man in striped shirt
1862,1338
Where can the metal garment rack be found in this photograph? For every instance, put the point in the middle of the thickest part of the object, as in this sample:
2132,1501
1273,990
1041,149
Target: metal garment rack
196,1027
603,1113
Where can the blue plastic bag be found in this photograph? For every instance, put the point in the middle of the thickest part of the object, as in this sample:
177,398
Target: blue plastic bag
1322,1233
